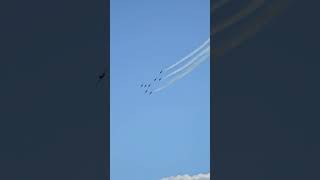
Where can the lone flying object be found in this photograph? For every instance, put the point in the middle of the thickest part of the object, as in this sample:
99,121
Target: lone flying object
141,85
149,85
160,71
159,79
155,79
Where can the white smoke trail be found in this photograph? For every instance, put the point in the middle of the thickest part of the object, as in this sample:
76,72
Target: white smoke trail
196,57
186,71
199,54
218,5
189,55
234,19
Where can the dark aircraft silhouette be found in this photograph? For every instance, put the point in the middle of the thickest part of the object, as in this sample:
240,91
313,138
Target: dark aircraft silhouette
141,85
145,85
149,85
146,91
159,79
160,71
155,79
150,93
101,76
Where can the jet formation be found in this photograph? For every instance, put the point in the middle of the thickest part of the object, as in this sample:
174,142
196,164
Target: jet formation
147,86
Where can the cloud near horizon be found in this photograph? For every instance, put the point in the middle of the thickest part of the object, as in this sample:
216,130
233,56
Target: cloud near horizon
188,177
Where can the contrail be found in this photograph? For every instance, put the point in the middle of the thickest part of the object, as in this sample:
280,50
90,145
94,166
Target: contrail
234,19
189,62
218,5
189,55
187,71
246,31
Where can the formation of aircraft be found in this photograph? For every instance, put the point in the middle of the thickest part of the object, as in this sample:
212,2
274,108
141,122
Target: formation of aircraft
147,86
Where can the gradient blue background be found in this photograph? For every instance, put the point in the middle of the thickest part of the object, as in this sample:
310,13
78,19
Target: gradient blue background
167,133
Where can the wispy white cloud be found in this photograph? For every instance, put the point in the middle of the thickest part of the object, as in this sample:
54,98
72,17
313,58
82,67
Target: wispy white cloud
188,177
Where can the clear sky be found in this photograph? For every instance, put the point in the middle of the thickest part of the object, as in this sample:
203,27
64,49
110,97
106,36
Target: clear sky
167,133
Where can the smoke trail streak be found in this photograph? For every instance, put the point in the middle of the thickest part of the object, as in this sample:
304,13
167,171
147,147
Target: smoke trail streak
187,70
242,14
189,55
189,63
218,5
248,30
234,19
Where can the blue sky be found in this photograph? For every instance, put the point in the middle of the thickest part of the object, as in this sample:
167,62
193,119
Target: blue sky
168,133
